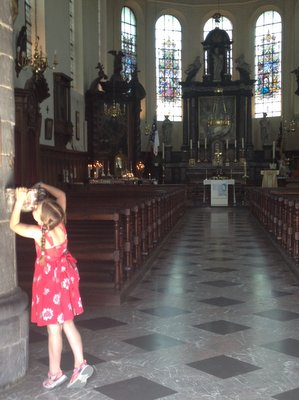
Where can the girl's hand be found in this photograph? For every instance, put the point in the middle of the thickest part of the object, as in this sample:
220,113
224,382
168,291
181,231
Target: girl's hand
21,194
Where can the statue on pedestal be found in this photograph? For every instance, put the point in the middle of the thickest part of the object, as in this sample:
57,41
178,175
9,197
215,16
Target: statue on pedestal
217,65
167,131
192,69
244,69
265,130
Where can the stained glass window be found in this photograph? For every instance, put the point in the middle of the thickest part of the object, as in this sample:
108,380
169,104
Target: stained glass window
268,64
128,41
168,42
226,25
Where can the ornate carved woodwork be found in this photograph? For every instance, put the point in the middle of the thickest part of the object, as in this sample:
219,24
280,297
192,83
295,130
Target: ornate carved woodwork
63,127
108,135
27,132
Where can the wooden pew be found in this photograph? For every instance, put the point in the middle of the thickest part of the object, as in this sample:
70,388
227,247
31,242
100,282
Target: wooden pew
144,216
278,211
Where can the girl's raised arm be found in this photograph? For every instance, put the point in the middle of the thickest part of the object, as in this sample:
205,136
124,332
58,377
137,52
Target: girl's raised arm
55,192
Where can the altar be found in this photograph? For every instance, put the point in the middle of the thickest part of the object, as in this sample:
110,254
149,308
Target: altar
219,191
269,178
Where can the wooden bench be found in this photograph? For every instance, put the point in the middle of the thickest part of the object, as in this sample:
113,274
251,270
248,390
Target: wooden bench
278,211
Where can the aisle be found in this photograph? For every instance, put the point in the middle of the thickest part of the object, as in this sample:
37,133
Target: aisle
217,317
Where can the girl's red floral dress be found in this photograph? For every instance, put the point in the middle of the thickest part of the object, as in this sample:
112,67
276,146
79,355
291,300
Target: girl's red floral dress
55,289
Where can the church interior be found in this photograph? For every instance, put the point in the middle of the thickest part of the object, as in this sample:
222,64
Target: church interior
173,128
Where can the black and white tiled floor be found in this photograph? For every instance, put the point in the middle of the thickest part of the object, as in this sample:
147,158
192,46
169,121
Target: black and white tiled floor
217,317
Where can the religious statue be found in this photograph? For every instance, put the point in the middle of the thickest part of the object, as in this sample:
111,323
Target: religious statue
192,69
265,129
167,130
119,164
21,50
118,58
296,72
135,87
217,65
101,73
244,68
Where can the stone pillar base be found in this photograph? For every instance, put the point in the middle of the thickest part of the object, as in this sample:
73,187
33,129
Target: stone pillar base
14,328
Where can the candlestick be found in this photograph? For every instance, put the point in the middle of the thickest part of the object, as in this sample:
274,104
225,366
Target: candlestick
205,143
226,144
190,144
198,144
89,167
235,143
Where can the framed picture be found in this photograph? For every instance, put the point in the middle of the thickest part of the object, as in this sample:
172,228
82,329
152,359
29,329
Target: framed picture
48,128
77,115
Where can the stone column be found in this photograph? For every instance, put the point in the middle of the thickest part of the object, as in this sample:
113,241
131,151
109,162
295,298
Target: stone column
13,301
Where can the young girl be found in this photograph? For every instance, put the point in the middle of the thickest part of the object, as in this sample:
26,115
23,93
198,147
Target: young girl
55,289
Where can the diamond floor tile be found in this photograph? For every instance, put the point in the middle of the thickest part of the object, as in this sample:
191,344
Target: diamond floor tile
288,395
96,324
286,346
135,389
154,341
220,283
221,301
222,327
223,367
278,315
164,312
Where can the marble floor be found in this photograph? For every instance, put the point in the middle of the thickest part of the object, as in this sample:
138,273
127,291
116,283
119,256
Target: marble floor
216,317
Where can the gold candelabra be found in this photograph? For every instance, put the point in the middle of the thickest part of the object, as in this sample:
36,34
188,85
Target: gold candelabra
38,62
114,110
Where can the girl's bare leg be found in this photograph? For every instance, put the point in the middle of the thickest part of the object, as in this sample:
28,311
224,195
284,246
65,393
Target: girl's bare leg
75,341
54,347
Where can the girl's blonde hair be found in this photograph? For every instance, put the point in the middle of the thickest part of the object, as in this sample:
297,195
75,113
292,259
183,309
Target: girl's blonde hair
52,215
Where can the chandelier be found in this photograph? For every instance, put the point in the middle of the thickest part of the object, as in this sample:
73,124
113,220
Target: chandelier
113,110
38,62
219,116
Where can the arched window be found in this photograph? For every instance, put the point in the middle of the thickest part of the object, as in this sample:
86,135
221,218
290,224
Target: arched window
128,41
168,42
268,64
225,24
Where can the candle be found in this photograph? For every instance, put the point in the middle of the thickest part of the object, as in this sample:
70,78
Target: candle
205,142
235,143
190,144
198,144
89,170
242,143
226,144
273,150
